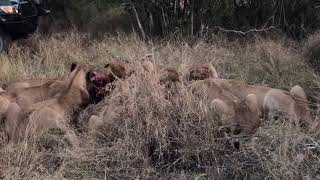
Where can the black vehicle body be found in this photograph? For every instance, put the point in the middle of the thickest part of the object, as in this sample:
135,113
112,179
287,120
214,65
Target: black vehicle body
24,21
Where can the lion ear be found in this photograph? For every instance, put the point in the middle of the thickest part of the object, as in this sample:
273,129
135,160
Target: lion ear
73,66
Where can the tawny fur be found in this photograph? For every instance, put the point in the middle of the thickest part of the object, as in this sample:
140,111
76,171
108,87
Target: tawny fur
201,72
248,114
165,74
13,124
54,113
117,70
25,97
234,112
148,66
270,101
94,122
169,75
27,83
4,104
28,92
301,100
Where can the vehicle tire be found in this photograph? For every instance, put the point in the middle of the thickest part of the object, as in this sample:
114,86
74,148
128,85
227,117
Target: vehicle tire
5,42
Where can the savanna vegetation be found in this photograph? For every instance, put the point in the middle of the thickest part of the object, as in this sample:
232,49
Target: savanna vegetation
141,133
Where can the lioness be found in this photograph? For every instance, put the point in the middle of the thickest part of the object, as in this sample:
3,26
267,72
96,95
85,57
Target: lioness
27,96
103,81
28,92
54,113
116,70
293,104
166,74
31,82
11,103
241,116
27,83
201,72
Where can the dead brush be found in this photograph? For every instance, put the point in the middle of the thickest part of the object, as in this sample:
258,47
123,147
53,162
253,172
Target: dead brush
164,133
311,50
37,155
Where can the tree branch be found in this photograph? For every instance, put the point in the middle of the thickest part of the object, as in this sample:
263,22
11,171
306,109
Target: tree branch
246,32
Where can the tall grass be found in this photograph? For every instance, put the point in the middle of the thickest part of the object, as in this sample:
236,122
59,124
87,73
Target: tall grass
141,133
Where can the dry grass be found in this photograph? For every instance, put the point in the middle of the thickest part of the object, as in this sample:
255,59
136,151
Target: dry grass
142,134
311,50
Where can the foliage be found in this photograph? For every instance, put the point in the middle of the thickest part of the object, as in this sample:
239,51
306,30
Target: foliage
296,18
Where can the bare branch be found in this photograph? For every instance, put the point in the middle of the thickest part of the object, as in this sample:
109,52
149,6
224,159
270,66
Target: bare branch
246,32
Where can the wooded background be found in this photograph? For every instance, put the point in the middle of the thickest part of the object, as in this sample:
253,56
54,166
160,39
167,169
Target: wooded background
158,18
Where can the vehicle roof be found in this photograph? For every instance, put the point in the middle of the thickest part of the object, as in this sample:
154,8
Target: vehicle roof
10,1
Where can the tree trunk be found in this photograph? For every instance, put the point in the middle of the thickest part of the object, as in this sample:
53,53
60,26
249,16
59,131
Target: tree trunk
192,18
140,28
164,21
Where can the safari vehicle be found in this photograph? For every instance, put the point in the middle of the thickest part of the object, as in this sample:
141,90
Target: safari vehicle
18,19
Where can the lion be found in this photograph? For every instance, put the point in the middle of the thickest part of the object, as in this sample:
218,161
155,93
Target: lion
168,77
27,83
31,82
52,113
103,81
148,66
28,96
12,102
166,74
293,104
239,116
28,92
116,70
4,104
201,72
